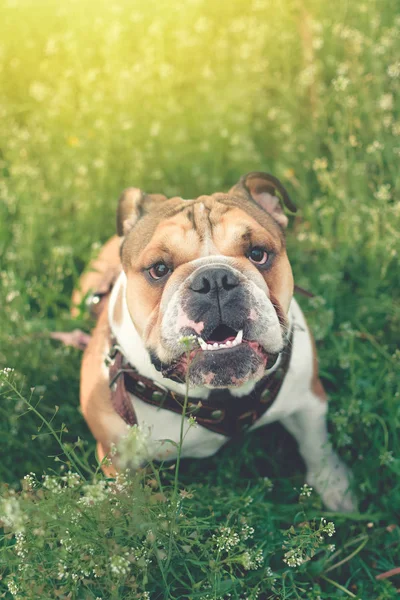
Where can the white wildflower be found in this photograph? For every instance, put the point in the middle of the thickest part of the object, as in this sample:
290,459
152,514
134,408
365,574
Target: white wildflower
353,141
52,484
141,555
67,542
189,341
72,479
12,587
328,528
306,491
320,164
293,558
386,457
386,102
94,493
396,129
393,70
98,163
133,448
119,565
341,83
38,91
6,372
20,545
11,514
227,539
62,570
351,101
246,532
374,147
252,560
387,120
192,421
307,76
317,43
383,192
29,481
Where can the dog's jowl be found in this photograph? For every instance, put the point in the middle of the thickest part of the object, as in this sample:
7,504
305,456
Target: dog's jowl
214,271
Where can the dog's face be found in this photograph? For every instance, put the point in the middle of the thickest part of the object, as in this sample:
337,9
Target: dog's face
215,267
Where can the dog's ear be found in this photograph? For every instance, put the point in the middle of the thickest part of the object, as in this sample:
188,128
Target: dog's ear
262,188
132,205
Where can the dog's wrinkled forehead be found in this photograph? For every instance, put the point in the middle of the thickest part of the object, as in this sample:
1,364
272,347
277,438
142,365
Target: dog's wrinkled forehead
186,224
140,215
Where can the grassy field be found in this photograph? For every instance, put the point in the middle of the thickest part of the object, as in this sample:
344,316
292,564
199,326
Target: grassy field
183,98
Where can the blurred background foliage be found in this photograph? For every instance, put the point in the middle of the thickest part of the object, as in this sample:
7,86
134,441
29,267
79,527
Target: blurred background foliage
183,98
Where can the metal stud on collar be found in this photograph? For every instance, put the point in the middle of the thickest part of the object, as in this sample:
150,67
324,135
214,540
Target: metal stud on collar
159,395
112,353
264,398
92,300
216,415
140,386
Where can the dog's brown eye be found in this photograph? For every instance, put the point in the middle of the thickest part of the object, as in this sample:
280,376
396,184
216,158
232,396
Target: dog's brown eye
159,270
258,255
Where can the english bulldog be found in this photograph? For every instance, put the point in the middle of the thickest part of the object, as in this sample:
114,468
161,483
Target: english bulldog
214,268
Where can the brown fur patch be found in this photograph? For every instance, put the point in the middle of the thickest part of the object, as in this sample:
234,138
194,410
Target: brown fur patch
143,232
117,311
100,273
105,424
280,281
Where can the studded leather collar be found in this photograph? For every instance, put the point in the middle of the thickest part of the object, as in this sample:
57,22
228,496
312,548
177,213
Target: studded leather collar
221,412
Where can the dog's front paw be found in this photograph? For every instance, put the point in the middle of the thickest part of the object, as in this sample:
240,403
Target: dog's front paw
332,482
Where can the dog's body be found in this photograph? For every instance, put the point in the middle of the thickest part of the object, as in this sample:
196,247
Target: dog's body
215,268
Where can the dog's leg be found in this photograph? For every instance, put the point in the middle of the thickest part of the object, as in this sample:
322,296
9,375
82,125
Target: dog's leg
108,469
326,473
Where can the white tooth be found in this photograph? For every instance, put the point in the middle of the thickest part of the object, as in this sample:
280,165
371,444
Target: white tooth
210,347
239,336
228,343
202,343
234,343
215,345
223,346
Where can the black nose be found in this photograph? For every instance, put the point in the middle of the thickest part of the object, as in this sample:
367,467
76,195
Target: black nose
217,279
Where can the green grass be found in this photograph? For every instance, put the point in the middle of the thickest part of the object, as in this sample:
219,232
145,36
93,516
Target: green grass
183,98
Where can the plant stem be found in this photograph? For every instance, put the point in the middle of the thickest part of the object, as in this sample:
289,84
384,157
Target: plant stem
178,462
178,458
339,587
349,557
49,426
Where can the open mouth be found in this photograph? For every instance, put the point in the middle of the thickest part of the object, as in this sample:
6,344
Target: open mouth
220,338
222,358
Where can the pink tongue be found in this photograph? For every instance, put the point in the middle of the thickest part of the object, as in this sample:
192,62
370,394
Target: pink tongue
228,339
